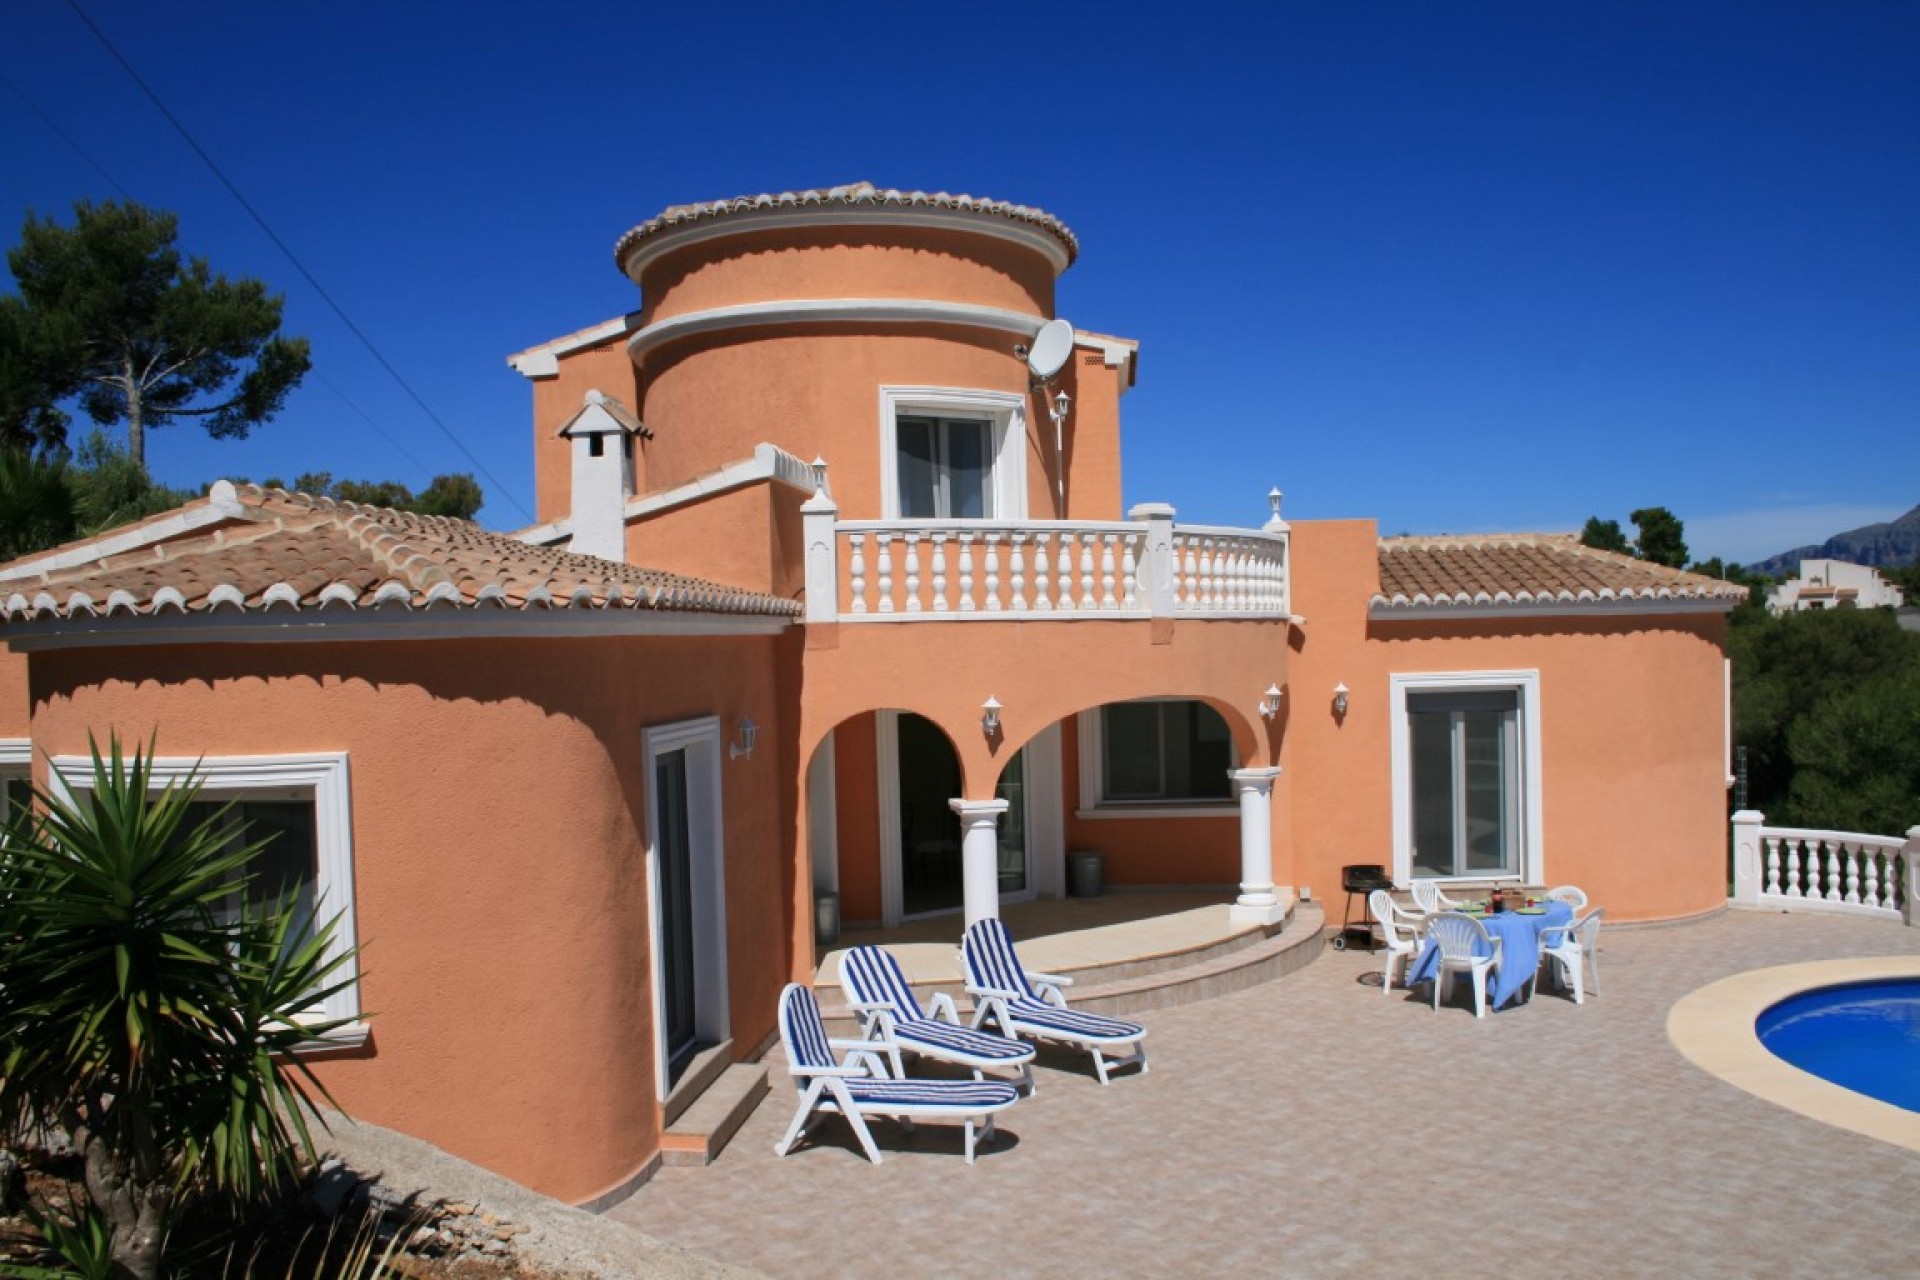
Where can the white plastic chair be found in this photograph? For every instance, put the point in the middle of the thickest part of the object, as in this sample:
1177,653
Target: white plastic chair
1570,951
1571,894
1021,1002
858,1087
1429,900
1399,930
893,1018
1460,940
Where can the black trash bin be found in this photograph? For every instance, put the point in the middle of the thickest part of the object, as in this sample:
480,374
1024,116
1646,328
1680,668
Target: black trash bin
1087,874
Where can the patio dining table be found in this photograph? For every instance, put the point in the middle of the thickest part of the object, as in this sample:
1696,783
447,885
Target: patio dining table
1519,933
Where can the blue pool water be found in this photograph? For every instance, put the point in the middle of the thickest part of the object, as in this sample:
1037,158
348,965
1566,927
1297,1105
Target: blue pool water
1863,1036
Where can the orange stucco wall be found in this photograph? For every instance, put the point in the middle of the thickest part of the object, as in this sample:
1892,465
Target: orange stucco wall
846,262
815,392
1631,720
747,537
15,708
499,802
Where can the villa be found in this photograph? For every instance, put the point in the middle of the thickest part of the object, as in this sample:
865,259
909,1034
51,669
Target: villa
834,601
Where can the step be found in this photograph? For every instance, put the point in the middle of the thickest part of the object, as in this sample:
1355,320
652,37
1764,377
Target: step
1230,964
706,1126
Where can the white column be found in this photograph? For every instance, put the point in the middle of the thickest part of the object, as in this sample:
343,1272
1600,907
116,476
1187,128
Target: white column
1748,873
1912,855
1159,572
980,856
818,515
1257,903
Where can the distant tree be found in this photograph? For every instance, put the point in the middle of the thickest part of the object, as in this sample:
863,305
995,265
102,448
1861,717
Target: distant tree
1660,537
109,309
109,488
33,380
1605,535
36,504
1805,691
1906,577
458,495
1755,583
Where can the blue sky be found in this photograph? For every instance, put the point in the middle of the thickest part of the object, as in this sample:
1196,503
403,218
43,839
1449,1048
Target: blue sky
1458,265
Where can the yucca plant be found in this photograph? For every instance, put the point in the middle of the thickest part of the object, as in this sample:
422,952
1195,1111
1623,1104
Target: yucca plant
152,1025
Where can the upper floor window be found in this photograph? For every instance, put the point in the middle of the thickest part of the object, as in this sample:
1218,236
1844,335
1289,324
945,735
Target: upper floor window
952,454
945,468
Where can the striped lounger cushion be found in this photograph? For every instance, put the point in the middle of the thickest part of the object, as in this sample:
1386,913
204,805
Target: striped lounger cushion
961,1097
1071,1022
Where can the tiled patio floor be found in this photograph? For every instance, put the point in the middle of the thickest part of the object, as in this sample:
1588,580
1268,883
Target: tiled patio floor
1313,1127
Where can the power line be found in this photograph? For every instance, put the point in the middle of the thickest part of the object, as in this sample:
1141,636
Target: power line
113,182
299,266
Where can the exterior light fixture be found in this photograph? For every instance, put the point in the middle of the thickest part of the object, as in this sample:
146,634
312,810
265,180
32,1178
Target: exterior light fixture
990,717
742,745
1062,405
1270,703
1340,700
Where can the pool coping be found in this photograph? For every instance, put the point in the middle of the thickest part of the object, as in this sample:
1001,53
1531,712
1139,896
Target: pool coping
1713,1028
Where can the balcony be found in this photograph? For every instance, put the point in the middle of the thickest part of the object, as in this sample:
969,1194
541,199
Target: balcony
885,571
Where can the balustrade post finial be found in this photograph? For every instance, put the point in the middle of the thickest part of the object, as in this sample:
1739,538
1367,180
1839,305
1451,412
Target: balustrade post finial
1274,523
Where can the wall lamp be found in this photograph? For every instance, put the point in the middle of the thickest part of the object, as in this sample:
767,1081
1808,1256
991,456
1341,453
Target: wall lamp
1340,700
742,745
1270,703
990,717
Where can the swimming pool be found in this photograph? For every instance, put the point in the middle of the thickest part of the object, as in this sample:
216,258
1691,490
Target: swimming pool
1863,1036
1717,1029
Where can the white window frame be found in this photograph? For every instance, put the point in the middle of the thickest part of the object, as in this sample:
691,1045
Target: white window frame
706,833
16,762
1094,804
323,776
1006,416
1525,685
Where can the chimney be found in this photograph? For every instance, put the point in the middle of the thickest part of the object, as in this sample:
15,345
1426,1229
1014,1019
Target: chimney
602,434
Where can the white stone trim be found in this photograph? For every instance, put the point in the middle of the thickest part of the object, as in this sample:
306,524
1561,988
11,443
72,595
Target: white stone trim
323,774
823,817
1726,718
886,751
706,834
543,361
1004,410
750,222
752,315
1046,815
16,753
222,505
1524,683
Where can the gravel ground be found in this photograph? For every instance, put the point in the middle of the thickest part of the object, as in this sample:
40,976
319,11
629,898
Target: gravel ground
559,1237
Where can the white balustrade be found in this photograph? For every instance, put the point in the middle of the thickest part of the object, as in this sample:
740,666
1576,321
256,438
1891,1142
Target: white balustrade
906,570
1798,869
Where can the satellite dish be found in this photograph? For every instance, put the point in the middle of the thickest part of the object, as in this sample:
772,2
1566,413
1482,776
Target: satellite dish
1051,347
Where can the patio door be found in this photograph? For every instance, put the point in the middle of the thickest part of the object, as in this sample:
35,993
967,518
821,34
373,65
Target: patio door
1466,783
674,855
687,923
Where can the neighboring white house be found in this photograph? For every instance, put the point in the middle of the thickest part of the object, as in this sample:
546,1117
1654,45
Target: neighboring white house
1834,584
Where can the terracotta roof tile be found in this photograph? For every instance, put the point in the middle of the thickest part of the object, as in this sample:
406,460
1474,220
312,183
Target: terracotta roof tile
293,550
854,195
1519,570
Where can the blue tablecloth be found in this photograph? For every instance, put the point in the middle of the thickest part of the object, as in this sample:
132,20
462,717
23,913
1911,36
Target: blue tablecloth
1519,936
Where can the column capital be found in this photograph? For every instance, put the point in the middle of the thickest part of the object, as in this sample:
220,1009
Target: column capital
1260,779
979,810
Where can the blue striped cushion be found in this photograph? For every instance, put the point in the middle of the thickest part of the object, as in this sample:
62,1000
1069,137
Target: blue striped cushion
801,1027
957,1095
1091,1026
876,978
987,952
946,1037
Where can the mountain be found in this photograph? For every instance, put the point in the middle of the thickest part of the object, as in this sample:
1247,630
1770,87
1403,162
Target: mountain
1894,542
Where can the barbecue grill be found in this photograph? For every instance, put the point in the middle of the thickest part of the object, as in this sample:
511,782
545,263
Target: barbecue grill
1360,879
